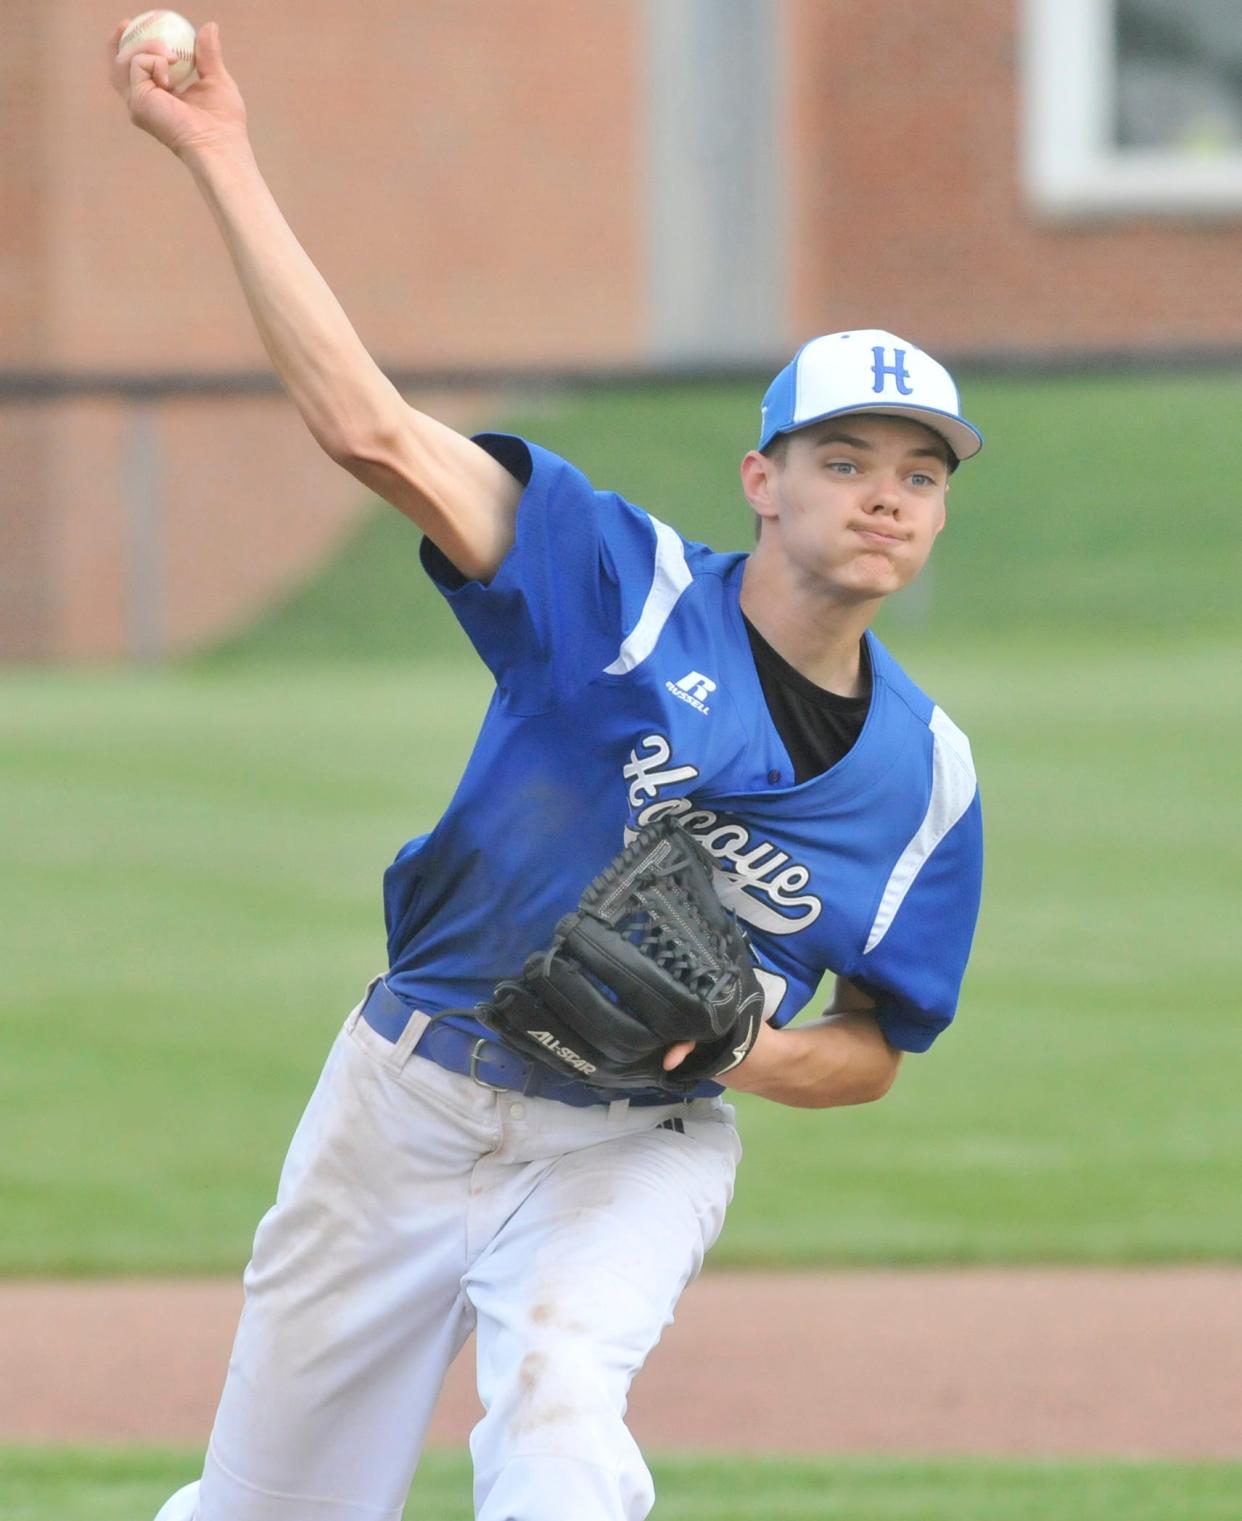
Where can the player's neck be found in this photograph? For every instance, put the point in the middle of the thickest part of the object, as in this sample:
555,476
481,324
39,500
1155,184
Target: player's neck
820,636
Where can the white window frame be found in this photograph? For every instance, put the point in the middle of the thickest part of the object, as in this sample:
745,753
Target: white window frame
1070,167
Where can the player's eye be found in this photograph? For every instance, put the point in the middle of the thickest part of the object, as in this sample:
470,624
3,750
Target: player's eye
843,466
919,479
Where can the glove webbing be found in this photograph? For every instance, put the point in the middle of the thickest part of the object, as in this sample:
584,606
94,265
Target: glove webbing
650,925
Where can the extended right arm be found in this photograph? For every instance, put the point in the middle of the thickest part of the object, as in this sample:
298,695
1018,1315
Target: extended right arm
457,494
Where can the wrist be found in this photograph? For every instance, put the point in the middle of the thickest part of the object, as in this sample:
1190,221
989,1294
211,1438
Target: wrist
206,155
751,1074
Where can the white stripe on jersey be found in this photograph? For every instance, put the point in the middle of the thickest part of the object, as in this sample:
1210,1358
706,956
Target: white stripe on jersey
669,579
953,789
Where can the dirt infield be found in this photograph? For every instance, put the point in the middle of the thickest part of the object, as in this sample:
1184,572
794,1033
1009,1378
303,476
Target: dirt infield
1021,1361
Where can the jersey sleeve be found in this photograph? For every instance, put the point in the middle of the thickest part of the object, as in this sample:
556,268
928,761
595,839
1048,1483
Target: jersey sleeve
575,582
915,970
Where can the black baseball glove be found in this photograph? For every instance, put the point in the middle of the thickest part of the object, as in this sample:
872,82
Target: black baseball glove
649,957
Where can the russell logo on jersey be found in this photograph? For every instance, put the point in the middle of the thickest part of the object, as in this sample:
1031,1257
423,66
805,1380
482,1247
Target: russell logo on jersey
693,688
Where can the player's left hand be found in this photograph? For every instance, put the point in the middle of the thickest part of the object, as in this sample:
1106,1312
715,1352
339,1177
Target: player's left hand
677,1054
747,1069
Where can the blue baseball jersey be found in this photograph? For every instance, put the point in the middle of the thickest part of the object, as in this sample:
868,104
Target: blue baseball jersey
626,691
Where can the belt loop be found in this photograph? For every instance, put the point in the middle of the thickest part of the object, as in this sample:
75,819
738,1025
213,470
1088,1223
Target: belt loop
618,1109
355,1014
403,1046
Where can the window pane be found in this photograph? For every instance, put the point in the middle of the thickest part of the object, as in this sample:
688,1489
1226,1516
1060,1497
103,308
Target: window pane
1179,76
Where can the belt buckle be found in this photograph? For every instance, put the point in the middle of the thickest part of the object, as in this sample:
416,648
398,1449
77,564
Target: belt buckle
474,1065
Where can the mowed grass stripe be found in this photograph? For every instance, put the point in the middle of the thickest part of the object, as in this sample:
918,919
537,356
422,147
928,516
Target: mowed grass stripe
77,1485
190,901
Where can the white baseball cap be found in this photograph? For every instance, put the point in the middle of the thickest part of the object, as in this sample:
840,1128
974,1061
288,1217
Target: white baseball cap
866,371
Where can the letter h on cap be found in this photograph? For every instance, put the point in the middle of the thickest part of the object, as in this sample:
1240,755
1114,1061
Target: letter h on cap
897,370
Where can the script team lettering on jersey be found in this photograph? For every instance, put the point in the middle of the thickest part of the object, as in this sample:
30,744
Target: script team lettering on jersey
757,869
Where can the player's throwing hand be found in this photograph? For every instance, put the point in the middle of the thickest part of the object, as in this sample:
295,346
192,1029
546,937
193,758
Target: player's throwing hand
210,112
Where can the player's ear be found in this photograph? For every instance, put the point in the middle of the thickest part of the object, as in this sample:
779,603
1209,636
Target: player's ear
758,477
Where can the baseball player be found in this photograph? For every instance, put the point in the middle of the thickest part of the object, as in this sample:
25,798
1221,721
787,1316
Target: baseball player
440,1183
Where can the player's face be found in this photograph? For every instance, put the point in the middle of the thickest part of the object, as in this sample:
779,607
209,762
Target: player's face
855,504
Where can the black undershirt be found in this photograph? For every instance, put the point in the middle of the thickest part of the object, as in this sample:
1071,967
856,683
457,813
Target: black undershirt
816,726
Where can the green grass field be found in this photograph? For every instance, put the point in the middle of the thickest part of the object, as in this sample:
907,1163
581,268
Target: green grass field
190,902
94,1486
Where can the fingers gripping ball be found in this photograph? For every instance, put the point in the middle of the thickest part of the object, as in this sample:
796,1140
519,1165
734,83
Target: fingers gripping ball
177,35
649,958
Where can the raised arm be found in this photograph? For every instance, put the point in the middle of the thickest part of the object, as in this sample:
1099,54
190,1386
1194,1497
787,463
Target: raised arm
454,491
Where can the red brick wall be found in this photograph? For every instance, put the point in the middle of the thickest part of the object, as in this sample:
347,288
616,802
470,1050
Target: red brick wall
466,175
23,206
909,212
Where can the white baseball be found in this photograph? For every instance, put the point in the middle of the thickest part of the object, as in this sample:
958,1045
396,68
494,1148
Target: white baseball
175,32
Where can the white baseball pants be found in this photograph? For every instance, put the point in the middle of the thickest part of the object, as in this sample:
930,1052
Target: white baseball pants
415,1206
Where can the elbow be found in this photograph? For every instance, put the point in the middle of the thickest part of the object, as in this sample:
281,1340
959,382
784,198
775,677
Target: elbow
337,447
372,459
354,450
368,443
382,458
883,1077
